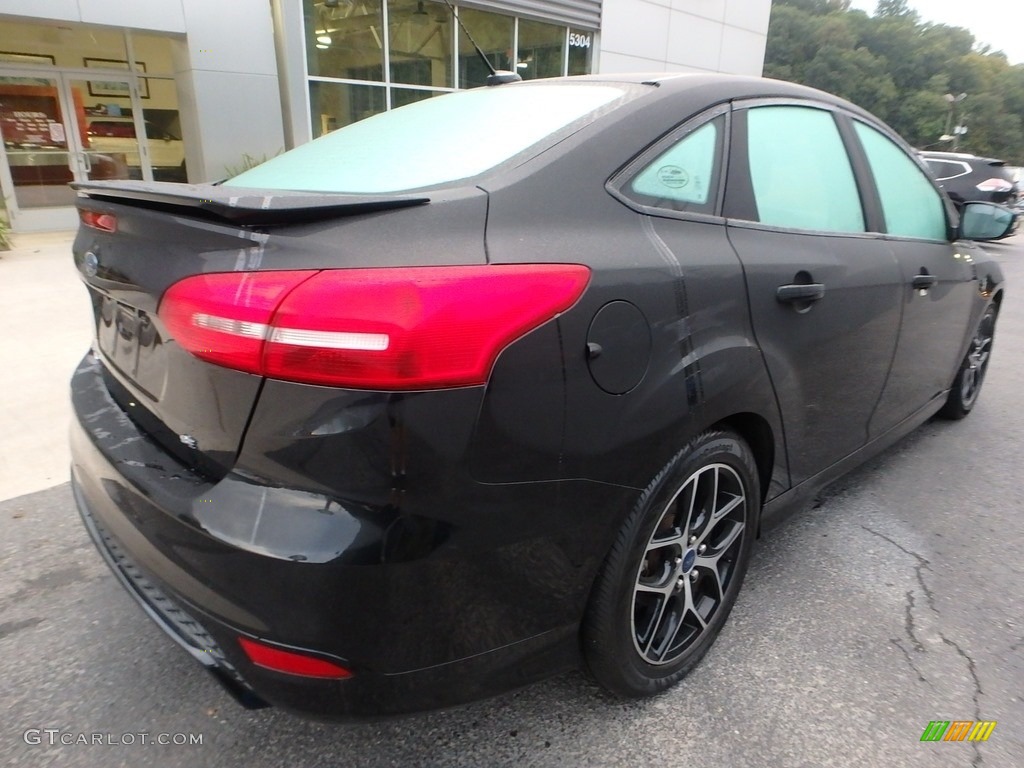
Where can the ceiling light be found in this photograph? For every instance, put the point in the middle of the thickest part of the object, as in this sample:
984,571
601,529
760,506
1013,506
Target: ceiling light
325,39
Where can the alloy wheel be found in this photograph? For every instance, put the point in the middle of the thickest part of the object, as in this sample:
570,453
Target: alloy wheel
688,564
977,363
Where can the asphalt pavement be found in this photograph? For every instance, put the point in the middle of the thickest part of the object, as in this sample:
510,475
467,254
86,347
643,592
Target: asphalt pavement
896,600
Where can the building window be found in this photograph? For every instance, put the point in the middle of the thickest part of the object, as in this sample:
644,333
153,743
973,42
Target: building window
495,34
541,50
420,35
345,40
366,56
336,104
581,51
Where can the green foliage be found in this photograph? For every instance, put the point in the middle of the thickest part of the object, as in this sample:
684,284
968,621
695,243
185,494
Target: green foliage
900,68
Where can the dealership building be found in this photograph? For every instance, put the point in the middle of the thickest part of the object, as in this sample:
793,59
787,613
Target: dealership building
197,89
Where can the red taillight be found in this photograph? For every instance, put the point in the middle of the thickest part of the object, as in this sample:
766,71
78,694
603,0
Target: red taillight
104,222
390,328
225,317
290,662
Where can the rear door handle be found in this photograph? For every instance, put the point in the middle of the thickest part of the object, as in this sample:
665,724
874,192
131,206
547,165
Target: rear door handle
924,282
800,292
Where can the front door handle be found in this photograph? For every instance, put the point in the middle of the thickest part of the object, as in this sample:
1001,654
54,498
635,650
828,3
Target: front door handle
924,282
800,292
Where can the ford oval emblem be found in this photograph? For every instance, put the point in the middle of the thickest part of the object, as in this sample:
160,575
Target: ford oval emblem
689,559
90,264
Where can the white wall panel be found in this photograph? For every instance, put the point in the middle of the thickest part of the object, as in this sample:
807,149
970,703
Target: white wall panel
231,37
694,41
156,16
612,63
232,114
63,10
742,52
635,28
684,35
708,9
751,15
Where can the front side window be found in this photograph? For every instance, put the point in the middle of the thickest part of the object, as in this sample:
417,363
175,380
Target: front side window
800,171
911,204
684,177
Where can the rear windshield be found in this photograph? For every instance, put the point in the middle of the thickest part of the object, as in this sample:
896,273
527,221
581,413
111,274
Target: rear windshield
435,141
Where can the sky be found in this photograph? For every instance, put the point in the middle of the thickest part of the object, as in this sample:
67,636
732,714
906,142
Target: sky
994,22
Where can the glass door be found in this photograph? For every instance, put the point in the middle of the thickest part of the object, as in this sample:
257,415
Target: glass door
107,132
58,128
39,158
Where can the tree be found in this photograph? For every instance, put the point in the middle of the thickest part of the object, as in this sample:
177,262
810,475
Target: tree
901,69
895,9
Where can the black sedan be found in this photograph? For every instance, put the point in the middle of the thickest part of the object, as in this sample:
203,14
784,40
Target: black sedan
508,381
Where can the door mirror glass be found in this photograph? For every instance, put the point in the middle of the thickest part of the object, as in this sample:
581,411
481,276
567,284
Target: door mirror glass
985,221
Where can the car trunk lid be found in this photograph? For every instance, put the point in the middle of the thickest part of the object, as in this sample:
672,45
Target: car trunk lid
164,233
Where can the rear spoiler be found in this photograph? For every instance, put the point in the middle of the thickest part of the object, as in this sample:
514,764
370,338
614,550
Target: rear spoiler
239,205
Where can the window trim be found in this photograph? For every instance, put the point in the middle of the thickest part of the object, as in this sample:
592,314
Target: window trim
618,182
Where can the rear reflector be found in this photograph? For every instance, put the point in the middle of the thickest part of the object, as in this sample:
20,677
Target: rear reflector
396,328
290,662
104,222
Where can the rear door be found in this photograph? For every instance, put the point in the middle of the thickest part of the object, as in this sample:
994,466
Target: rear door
824,292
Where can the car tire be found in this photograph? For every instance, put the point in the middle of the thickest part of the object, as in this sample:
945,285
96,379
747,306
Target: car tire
967,384
672,575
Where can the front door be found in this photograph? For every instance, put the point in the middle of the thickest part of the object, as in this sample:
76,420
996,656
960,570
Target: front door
939,287
45,123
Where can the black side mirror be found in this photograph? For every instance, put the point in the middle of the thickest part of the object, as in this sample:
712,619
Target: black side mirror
986,221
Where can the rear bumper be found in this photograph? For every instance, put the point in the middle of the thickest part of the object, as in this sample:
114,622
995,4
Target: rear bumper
455,619
176,623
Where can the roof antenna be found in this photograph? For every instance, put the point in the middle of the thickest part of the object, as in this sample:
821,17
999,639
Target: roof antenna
497,76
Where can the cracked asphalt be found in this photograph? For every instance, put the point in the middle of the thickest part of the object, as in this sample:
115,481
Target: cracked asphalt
895,600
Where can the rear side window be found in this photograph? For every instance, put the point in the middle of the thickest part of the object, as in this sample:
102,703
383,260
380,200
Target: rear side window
684,177
800,171
434,141
911,204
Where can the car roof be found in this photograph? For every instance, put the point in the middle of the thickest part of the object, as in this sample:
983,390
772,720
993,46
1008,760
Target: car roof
713,87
